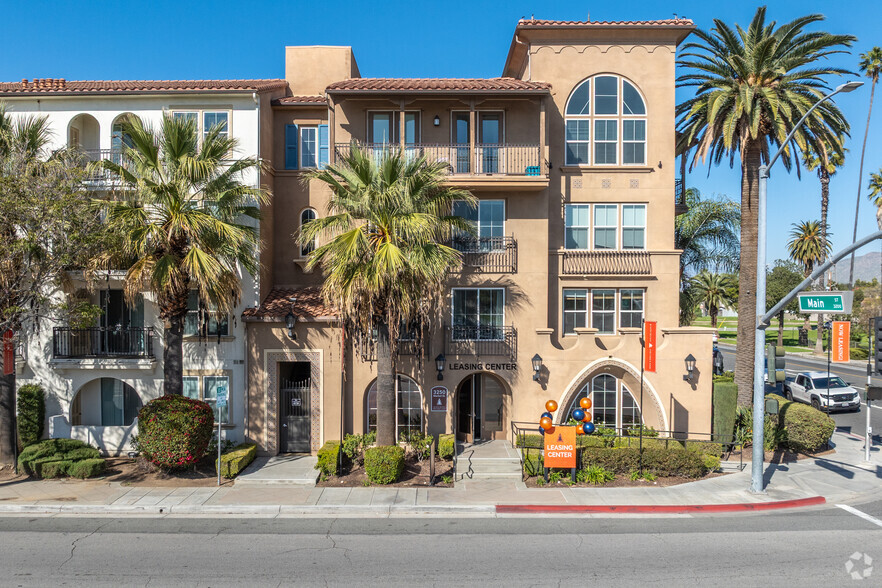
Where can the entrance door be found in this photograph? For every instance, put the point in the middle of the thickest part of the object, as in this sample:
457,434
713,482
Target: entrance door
480,408
294,407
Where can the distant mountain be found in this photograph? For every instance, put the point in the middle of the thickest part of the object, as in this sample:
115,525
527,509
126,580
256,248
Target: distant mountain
866,267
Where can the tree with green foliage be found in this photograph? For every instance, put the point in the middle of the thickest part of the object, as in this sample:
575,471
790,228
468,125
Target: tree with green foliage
714,291
752,87
383,252
784,276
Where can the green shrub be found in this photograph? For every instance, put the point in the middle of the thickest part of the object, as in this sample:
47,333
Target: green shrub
354,446
87,468
327,458
31,413
174,431
237,459
384,464
725,399
806,429
595,474
446,446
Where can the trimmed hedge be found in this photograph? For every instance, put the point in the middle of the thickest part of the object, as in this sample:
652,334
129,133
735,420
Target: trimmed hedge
384,464
446,446
174,431
804,427
237,459
56,458
327,458
725,400
31,413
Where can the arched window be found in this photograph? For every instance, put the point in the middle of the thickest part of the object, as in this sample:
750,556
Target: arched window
606,408
605,123
307,216
408,407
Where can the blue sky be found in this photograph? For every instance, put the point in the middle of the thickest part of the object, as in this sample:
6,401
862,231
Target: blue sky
245,39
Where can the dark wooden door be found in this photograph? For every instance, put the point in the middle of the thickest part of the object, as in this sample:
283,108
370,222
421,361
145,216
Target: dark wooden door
294,416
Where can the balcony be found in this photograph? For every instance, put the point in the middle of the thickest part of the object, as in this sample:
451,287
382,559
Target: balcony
101,342
604,263
490,255
481,341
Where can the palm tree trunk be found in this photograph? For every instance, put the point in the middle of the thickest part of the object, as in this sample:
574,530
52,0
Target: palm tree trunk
385,389
7,420
752,159
857,206
825,202
781,329
173,356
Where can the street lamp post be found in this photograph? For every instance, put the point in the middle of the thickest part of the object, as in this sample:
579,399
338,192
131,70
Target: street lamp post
756,483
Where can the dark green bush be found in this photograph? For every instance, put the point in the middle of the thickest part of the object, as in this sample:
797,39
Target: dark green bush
384,464
446,446
174,431
87,468
725,399
805,428
237,459
31,413
327,458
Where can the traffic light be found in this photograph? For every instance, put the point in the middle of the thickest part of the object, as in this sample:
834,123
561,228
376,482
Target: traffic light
877,329
775,363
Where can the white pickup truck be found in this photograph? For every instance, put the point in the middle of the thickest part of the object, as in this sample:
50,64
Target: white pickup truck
821,392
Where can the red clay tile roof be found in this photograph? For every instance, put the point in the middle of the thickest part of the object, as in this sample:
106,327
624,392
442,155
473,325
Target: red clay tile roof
300,101
438,85
62,86
668,22
308,304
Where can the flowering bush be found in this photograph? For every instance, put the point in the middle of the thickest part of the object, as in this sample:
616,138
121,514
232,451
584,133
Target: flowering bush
174,431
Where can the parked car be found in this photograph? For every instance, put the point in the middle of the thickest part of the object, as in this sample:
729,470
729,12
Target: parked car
822,392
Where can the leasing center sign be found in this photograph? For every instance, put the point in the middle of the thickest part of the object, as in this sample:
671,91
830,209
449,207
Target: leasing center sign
560,447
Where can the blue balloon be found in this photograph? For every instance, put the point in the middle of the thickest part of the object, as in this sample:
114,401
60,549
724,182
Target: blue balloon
588,428
546,414
579,414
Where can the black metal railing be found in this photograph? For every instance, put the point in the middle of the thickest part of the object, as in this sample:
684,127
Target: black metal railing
605,262
488,254
480,341
130,342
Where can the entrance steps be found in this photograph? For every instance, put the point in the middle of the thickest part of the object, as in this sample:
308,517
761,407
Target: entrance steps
286,469
487,460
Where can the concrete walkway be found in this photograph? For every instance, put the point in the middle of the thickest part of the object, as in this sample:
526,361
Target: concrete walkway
840,478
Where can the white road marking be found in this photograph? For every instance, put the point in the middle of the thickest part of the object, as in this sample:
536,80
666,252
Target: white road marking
860,514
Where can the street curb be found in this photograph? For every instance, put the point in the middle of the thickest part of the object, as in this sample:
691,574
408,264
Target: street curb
658,508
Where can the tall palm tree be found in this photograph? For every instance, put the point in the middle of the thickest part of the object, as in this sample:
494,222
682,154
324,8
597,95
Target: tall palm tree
714,291
183,215
825,164
808,248
752,87
384,257
871,65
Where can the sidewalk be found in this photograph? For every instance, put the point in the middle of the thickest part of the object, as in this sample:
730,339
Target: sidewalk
837,478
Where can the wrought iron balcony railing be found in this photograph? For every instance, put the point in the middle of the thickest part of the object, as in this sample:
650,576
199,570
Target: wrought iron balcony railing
480,341
124,343
488,254
605,262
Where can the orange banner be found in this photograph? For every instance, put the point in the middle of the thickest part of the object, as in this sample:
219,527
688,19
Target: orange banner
649,328
840,352
560,447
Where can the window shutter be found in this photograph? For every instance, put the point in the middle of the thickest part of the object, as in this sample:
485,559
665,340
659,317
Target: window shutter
291,137
324,148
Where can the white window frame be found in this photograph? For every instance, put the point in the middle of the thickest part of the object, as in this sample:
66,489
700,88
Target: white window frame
586,227
585,314
624,226
596,226
613,313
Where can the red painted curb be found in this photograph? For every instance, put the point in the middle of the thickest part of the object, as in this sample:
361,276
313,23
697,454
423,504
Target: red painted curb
656,509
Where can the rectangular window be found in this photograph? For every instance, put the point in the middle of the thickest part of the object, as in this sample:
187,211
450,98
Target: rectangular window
219,119
577,140
213,384
575,310
633,226
634,142
605,225
605,142
203,322
576,220
603,311
308,147
478,313
631,308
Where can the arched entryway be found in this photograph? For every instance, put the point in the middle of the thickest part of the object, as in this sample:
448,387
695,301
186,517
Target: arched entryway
481,408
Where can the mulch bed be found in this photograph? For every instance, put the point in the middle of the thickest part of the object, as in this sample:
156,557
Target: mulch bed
416,475
777,456
622,482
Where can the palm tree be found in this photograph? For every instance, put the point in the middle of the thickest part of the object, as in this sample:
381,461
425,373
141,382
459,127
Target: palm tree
183,216
752,87
826,164
714,291
871,65
383,255
808,248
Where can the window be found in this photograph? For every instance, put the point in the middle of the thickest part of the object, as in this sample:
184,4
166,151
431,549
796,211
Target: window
605,226
488,218
616,114
603,311
216,119
208,393
119,403
307,216
408,407
575,310
576,220
308,147
604,411
203,322
631,308
478,313
633,226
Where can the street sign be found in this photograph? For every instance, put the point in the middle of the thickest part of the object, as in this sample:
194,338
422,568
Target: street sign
560,447
8,354
839,351
221,396
649,346
439,399
826,302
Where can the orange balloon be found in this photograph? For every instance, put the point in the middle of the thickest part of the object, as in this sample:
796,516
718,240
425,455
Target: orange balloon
585,403
545,423
551,406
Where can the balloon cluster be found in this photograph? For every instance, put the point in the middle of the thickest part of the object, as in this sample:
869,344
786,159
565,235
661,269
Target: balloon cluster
582,415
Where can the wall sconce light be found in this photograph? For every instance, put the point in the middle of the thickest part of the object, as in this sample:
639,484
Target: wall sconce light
690,368
537,366
439,365
290,321
436,121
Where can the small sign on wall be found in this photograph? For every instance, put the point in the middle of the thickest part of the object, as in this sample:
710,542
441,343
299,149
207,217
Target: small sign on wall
439,399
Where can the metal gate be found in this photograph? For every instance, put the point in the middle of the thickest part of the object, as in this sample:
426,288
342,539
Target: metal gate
294,416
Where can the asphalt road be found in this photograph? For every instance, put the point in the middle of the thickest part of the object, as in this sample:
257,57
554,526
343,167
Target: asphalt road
850,422
810,547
